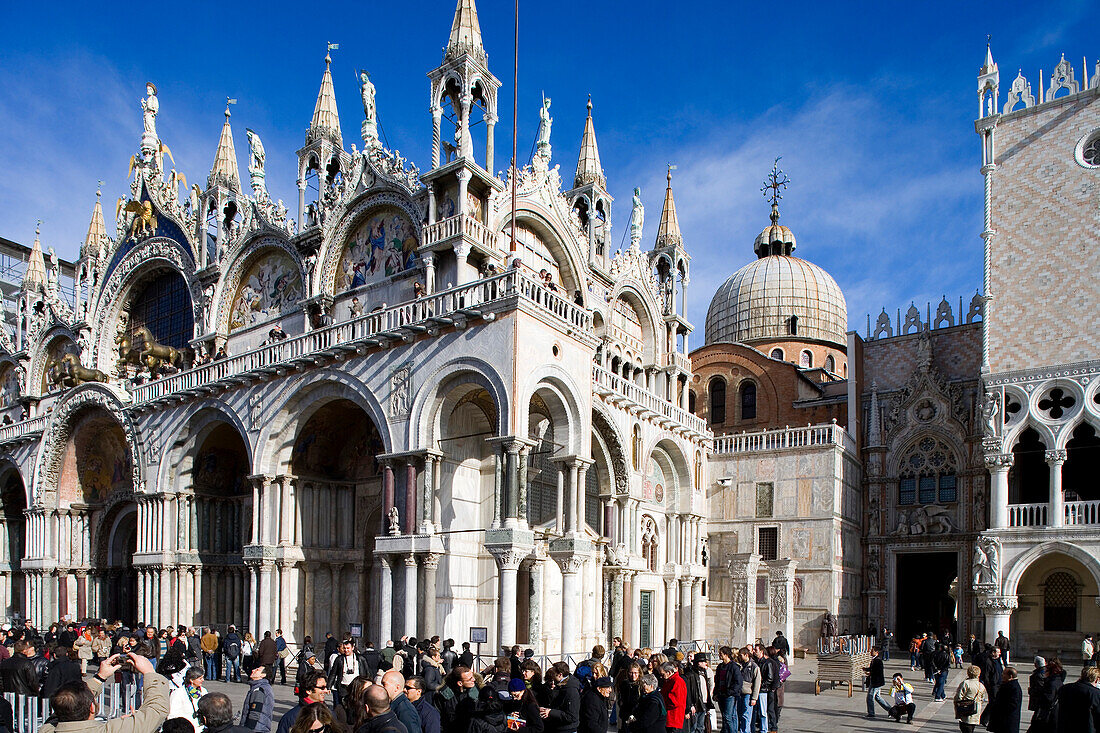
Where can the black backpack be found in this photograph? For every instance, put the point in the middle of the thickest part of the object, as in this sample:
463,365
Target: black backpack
233,648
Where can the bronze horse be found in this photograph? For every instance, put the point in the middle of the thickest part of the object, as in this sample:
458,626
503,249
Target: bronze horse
69,372
149,353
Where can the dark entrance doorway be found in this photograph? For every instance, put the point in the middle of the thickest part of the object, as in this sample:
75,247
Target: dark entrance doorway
922,587
121,589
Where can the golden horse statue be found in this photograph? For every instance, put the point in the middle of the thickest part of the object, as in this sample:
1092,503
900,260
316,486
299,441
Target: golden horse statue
77,374
150,354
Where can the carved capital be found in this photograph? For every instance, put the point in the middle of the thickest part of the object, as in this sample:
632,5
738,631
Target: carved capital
570,564
743,566
508,557
410,560
999,461
1055,457
998,605
431,560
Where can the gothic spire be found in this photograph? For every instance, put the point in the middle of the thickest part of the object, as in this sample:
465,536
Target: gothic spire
465,34
326,120
97,231
589,169
36,265
225,172
989,66
668,233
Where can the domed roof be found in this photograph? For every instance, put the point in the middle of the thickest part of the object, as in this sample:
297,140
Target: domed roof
757,302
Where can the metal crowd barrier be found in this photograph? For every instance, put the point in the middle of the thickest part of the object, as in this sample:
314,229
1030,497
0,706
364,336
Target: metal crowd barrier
29,712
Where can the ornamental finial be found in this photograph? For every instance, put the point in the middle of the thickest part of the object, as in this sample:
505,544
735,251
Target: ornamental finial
776,181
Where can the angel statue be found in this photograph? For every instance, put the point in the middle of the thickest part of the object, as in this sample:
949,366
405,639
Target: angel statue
991,408
256,157
370,112
395,525
637,219
545,121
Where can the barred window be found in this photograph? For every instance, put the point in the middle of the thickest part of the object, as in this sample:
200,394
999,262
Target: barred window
1060,603
164,307
767,543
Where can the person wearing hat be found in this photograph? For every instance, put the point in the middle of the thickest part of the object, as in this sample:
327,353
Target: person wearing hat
700,692
522,708
595,707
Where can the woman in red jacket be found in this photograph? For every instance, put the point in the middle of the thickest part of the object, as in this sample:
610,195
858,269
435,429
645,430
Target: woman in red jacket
674,691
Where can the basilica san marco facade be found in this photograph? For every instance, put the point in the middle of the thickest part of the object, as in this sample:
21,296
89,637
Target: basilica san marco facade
412,403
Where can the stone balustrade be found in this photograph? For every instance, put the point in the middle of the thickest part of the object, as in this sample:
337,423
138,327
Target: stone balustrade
1077,514
785,439
609,384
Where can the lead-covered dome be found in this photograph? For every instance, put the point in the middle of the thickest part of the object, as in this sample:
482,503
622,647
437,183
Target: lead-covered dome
758,302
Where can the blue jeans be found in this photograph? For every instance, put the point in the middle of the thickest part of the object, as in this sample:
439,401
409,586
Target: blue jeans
874,694
729,714
938,692
699,722
886,651
745,710
233,666
761,713
211,667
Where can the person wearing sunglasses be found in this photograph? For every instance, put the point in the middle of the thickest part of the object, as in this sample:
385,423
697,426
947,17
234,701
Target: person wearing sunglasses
421,698
314,689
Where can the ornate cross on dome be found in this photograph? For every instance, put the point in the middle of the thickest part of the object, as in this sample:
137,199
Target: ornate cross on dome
776,181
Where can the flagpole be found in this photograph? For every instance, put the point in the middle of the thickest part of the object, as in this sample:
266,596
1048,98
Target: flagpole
515,116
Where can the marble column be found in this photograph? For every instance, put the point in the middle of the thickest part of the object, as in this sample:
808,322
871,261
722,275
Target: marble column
309,622
364,595
164,593
618,590
998,614
571,566
279,603
387,495
508,559
385,600
498,485
410,496
998,465
428,600
336,601
534,614
410,596
698,610
684,633
1056,516
743,569
781,596
668,628
510,499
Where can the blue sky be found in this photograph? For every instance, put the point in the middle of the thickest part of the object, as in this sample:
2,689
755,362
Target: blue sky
870,105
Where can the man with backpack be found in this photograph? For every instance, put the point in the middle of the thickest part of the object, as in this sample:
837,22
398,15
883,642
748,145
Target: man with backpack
231,650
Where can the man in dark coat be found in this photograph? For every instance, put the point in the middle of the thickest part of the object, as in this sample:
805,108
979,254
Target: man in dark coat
1035,684
1079,704
61,671
780,642
418,696
374,661
268,655
402,707
216,709
595,708
20,675
347,665
1004,711
456,699
563,715
331,647
380,718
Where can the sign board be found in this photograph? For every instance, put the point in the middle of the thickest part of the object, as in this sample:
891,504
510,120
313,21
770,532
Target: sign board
357,630
479,634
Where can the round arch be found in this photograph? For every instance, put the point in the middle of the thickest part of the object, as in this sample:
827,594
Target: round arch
188,429
554,234
141,263
47,469
298,402
1016,570
356,213
427,406
252,253
679,463
615,443
54,344
554,383
632,293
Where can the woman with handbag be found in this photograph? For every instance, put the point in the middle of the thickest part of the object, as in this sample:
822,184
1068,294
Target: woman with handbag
970,698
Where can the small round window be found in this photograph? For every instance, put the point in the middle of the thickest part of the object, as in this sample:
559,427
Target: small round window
1088,150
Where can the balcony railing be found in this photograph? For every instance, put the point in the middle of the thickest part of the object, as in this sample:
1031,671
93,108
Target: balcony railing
460,224
785,439
1027,515
22,428
1077,513
611,383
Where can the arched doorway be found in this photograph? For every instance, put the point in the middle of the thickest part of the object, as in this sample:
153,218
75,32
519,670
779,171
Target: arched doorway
338,485
1056,607
95,484
119,591
219,480
13,502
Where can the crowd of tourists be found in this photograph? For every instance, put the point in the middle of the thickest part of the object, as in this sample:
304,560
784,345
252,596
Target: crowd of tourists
405,686
991,695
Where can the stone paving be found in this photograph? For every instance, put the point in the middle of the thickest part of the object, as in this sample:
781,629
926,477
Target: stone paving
832,710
